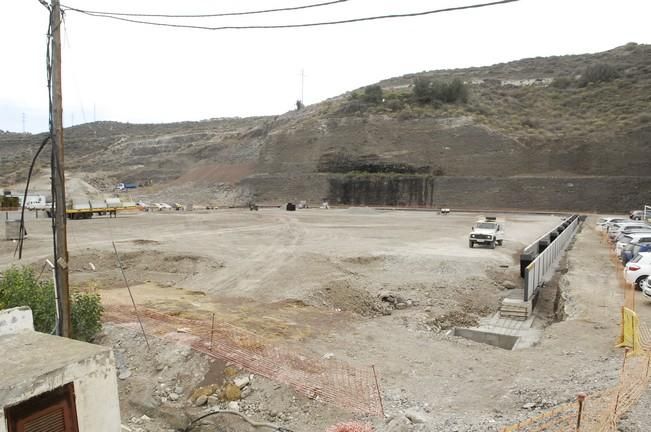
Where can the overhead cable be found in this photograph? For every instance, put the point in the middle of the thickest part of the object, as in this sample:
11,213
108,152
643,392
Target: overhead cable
300,25
222,14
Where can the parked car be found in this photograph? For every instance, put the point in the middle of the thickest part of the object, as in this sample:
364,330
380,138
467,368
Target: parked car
631,239
646,288
643,237
611,223
603,223
631,231
638,269
615,229
636,214
632,249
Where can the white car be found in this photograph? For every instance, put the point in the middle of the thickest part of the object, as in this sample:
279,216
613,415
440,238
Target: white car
602,223
623,240
165,206
646,288
608,222
487,231
638,269
617,228
632,230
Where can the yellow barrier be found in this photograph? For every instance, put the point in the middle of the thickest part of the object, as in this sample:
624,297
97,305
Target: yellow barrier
630,332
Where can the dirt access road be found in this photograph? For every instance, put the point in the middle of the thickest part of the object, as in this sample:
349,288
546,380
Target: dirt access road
314,280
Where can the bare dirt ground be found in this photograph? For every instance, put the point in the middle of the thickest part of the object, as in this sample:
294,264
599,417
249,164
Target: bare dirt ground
356,285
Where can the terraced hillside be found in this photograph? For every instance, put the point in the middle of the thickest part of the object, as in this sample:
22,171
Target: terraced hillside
543,133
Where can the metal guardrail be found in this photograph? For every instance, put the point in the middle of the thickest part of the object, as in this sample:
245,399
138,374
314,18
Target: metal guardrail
530,252
536,273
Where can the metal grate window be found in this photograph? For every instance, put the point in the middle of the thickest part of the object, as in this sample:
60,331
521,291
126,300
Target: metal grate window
53,411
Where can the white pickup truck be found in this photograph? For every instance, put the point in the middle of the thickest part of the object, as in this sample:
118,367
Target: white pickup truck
487,231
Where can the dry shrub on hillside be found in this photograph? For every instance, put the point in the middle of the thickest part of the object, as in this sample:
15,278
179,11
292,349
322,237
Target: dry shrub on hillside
598,73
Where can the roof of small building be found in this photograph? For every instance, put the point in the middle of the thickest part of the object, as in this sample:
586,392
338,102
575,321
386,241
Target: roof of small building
28,355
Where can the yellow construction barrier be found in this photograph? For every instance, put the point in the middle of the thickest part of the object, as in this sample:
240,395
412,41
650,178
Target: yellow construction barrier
630,332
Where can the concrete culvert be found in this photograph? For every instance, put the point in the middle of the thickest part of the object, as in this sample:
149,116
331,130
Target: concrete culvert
503,341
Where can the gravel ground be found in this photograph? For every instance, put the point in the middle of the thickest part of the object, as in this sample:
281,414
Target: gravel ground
359,285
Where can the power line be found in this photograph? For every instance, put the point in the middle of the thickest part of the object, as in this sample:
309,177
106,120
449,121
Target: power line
283,26
223,14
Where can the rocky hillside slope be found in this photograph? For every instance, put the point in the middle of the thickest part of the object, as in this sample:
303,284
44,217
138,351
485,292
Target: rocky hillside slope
531,134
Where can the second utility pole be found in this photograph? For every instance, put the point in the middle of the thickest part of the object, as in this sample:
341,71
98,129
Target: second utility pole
64,326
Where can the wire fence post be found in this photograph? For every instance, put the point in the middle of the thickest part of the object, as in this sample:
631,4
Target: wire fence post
212,330
377,387
581,398
133,301
621,382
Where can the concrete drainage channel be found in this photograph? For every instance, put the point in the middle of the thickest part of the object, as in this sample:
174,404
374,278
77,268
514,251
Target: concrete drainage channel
505,333
499,340
502,332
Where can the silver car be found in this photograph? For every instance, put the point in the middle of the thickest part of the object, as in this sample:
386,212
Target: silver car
615,229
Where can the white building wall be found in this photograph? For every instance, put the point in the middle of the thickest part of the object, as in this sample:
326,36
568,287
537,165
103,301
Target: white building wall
96,393
92,373
15,320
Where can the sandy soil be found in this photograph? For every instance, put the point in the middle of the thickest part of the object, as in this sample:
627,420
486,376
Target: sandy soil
316,280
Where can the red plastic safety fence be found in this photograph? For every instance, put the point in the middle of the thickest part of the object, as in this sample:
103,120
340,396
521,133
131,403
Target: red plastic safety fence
330,381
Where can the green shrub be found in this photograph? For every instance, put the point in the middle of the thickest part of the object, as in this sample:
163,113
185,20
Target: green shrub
354,106
422,90
86,315
454,91
426,91
561,83
395,105
373,94
598,73
353,96
20,287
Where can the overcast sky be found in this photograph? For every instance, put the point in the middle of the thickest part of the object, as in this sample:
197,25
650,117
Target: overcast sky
135,73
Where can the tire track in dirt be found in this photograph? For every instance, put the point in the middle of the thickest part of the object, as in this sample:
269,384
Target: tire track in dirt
242,277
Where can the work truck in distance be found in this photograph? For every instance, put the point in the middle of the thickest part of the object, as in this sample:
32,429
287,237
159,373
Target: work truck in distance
85,209
487,231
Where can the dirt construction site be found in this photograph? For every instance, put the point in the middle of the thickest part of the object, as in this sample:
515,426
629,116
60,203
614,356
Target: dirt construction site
302,320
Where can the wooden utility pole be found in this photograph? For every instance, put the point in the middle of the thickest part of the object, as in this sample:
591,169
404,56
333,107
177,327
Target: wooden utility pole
302,85
64,327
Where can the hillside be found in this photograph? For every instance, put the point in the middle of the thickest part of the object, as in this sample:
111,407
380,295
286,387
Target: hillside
531,134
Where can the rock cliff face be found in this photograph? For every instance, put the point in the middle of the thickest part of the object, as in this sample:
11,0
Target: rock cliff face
530,136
